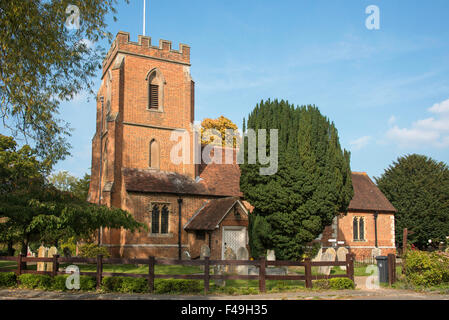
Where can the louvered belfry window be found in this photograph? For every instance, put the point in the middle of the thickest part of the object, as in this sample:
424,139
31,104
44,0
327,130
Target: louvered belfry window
154,96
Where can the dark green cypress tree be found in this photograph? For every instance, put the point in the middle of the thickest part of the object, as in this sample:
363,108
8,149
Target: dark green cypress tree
312,184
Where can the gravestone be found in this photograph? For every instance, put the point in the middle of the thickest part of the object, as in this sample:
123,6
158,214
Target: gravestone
218,270
329,255
341,256
242,254
185,255
375,253
318,255
51,252
229,254
41,253
271,255
204,252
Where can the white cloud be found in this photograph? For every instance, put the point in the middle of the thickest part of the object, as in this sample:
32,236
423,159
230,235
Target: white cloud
433,131
392,120
360,142
442,107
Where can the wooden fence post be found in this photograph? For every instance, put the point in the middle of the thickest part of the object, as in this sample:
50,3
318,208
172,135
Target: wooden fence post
151,274
20,264
391,269
308,272
262,273
206,274
99,270
55,266
350,266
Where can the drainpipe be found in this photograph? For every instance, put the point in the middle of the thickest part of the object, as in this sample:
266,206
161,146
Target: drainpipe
179,227
101,163
375,228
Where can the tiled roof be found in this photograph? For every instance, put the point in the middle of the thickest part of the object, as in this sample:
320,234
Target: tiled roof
148,180
221,179
209,215
367,195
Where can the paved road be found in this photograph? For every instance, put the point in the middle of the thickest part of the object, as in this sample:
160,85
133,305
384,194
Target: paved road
382,294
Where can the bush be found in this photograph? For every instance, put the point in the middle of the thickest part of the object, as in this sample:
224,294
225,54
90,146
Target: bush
321,284
341,283
88,283
134,285
162,286
8,279
35,281
58,283
92,250
111,284
426,269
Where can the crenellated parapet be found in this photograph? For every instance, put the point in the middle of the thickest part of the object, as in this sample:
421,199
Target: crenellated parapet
143,47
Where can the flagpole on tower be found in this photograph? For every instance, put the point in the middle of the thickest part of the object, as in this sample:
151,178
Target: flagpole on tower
143,33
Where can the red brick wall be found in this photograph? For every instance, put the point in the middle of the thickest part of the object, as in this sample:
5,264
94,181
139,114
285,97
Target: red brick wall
363,249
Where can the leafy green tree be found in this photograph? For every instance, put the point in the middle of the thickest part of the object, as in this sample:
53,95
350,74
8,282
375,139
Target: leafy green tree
64,181
312,184
418,187
34,211
42,63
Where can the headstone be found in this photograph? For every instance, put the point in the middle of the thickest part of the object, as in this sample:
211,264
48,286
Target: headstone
218,270
375,253
341,256
329,255
185,255
270,255
41,253
318,255
51,252
242,254
229,254
204,251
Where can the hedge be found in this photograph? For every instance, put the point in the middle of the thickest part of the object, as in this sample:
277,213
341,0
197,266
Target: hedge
8,279
35,281
161,286
426,269
341,283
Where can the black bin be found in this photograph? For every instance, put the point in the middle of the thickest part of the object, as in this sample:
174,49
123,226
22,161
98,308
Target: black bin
382,266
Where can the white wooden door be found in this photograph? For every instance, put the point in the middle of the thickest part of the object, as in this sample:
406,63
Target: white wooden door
233,237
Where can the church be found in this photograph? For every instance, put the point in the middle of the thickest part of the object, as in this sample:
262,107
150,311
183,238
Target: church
147,93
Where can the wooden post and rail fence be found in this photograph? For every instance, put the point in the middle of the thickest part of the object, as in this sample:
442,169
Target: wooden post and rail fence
152,262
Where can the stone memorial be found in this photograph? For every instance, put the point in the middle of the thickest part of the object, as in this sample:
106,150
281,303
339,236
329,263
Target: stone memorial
229,254
185,255
271,255
318,255
242,254
51,252
341,256
41,253
329,255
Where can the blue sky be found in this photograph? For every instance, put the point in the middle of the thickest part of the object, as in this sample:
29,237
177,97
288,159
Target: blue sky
387,90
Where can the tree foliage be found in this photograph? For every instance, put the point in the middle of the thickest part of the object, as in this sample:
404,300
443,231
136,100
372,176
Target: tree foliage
35,211
213,131
418,187
312,184
64,181
43,63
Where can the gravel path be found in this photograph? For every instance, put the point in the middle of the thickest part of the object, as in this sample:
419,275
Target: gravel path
382,294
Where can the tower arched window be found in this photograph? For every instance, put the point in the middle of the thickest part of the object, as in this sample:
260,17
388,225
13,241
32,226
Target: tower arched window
154,154
156,84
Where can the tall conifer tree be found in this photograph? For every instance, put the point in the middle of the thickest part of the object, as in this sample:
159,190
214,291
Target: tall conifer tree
312,184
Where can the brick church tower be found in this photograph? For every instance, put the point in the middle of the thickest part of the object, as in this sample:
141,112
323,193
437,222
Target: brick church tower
146,93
